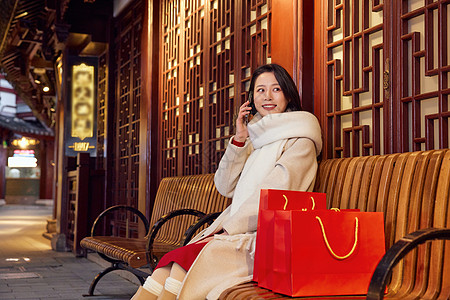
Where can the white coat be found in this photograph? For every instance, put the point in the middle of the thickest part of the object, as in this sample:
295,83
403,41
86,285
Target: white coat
294,140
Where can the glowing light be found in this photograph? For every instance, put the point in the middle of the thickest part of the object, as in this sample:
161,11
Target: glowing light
22,162
12,259
24,142
24,14
46,89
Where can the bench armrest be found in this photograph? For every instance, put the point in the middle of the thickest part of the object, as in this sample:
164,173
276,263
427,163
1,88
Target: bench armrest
208,219
396,253
119,207
176,213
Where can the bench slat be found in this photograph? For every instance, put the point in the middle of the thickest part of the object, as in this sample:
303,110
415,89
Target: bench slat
373,180
352,182
405,202
421,217
360,199
131,251
440,256
405,271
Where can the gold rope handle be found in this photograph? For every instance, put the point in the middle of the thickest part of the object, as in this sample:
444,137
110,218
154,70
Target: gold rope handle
286,203
328,244
335,209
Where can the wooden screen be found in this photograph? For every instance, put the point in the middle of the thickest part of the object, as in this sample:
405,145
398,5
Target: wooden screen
423,70
208,51
354,99
126,123
102,100
384,67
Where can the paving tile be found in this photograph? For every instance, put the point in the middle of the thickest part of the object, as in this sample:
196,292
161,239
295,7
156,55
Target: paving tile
61,275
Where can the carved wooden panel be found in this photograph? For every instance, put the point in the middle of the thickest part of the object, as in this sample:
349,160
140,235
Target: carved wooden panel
424,40
101,109
234,54
386,76
191,106
223,91
126,124
170,98
354,98
207,55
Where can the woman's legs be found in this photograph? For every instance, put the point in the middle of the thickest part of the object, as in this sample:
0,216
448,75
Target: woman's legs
172,284
163,284
153,285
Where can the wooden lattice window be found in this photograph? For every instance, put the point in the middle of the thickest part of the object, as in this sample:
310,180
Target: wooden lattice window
423,90
354,62
207,55
126,124
102,114
385,77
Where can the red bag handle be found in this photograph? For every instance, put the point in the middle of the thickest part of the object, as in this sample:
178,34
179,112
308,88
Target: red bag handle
303,209
328,244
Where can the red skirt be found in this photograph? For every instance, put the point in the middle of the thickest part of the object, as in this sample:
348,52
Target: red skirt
184,256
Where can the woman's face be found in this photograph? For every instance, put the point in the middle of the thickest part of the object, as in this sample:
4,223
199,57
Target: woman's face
268,96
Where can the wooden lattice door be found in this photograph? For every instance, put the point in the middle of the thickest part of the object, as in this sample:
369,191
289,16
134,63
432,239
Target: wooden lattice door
208,51
381,82
421,82
126,124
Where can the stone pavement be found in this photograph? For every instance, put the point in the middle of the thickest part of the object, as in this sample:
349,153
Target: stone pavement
29,269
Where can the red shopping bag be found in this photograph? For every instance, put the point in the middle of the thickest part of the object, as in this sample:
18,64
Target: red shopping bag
318,253
291,200
272,199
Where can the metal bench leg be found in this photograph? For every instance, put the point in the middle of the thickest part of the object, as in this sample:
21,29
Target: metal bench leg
141,279
98,277
114,266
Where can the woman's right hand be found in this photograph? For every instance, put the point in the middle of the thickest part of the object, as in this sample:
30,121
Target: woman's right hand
241,124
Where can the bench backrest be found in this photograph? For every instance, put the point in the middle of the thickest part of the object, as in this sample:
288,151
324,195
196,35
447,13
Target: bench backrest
194,192
412,189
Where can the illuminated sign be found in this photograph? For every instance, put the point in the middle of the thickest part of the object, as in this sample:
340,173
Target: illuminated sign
83,84
22,159
22,162
81,109
28,153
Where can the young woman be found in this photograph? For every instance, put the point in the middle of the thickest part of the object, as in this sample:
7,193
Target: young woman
275,146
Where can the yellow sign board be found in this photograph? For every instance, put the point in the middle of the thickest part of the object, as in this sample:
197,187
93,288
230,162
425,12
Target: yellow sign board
83,84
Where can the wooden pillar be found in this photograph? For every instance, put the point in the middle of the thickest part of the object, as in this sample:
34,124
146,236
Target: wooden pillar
292,44
150,74
284,31
60,169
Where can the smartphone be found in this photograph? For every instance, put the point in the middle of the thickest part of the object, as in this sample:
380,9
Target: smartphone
250,99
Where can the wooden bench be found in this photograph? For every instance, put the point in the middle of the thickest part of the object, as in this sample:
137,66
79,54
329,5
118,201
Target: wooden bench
413,191
182,206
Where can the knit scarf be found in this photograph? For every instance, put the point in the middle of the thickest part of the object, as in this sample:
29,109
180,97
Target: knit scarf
268,135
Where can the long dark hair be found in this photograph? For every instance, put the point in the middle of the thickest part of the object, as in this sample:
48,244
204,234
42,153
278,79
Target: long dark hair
285,81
